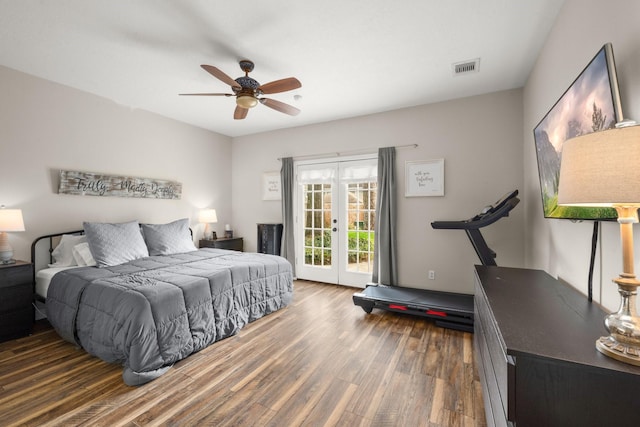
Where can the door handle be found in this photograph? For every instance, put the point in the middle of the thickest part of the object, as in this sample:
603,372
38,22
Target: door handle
334,229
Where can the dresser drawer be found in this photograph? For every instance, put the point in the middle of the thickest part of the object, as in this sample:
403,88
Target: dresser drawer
496,354
494,409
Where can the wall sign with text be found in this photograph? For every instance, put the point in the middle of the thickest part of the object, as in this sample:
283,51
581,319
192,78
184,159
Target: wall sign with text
271,186
95,184
424,178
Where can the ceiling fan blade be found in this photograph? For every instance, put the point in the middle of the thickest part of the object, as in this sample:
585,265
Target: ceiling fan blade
215,72
280,106
240,113
205,94
281,85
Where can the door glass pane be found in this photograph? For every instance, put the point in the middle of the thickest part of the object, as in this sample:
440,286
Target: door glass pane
317,224
360,225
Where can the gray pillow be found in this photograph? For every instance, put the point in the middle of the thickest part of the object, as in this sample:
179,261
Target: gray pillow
167,239
113,244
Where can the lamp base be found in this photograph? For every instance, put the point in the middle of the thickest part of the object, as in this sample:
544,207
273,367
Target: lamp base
623,343
6,251
6,255
622,352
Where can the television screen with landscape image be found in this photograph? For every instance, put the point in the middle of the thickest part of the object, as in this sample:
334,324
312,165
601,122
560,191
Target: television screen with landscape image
590,104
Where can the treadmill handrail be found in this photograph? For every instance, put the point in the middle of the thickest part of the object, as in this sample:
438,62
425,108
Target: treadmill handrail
478,221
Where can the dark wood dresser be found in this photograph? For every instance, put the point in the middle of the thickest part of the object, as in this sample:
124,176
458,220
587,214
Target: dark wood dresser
534,344
16,297
233,243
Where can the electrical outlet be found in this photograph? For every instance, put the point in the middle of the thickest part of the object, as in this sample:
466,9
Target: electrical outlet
432,275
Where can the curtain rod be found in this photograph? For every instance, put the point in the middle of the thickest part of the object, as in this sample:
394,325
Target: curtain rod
346,153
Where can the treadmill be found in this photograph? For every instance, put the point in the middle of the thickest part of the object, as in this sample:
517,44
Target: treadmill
448,309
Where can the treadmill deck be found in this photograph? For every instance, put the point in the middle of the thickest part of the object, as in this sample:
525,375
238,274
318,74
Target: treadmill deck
448,309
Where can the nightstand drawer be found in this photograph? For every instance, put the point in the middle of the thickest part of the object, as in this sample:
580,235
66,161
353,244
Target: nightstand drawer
233,243
14,297
16,323
15,274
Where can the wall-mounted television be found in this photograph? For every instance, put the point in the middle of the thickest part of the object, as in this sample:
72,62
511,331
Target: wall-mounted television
590,104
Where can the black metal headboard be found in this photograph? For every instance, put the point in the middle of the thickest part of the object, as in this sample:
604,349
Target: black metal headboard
53,240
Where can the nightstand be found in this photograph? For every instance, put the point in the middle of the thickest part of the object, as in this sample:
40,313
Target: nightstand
16,297
234,243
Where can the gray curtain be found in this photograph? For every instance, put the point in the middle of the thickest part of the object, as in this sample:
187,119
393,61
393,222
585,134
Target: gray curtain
288,248
385,265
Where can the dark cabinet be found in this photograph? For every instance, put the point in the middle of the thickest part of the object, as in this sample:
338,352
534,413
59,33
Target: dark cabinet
534,345
16,297
269,238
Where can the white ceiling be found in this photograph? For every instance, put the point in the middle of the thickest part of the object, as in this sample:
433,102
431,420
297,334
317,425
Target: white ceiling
353,57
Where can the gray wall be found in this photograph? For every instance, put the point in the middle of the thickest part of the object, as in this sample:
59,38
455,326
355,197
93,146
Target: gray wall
562,247
45,127
480,139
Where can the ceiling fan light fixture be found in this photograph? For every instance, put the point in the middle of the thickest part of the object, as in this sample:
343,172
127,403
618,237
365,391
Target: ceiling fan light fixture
246,101
248,91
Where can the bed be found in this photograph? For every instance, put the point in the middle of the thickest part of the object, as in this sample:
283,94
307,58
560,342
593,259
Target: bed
149,307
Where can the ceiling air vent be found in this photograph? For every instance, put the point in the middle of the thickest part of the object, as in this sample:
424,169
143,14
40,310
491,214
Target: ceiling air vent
466,67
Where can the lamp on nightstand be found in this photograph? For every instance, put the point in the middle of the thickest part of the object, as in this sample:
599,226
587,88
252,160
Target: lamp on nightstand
208,216
10,220
602,169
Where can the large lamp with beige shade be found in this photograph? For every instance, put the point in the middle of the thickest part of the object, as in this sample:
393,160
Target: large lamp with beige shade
10,221
602,169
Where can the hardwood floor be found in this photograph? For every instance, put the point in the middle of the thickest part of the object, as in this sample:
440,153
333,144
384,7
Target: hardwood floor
319,362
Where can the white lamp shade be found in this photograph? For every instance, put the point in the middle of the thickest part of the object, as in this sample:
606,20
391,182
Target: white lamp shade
601,169
11,220
208,216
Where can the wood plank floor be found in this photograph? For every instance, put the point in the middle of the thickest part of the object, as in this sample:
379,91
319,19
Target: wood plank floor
319,362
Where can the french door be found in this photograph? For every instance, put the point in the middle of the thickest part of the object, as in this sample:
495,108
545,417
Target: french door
335,220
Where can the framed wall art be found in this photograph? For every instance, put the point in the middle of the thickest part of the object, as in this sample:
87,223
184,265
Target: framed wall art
271,187
424,178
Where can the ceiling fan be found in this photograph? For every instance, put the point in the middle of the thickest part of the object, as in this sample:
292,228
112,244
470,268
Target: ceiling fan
247,90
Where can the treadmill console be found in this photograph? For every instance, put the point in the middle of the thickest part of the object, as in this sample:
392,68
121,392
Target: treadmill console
497,205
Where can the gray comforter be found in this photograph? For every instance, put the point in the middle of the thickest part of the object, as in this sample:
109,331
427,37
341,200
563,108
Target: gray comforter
149,313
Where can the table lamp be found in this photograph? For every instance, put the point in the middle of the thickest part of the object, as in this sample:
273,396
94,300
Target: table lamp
602,169
208,216
10,220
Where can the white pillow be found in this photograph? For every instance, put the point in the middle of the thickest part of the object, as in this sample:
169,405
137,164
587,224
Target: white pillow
82,255
63,253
